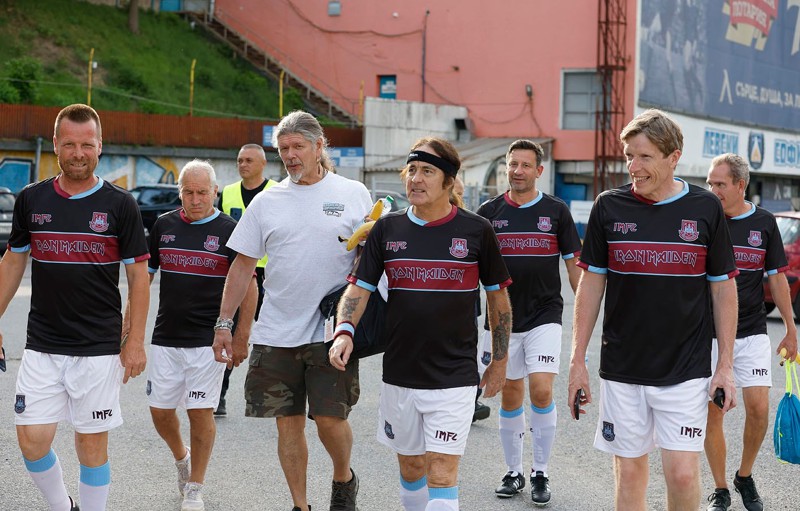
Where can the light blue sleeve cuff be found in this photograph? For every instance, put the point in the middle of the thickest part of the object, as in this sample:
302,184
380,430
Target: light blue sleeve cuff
366,285
599,271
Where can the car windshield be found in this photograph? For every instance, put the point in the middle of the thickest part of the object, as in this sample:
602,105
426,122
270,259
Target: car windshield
154,197
6,202
789,228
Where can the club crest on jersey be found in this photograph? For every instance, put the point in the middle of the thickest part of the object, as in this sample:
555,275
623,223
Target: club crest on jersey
608,431
19,404
212,243
486,358
99,222
387,428
544,224
754,239
688,230
458,248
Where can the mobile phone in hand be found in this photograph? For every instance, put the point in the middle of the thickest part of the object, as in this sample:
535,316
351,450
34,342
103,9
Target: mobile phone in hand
3,361
719,397
576,406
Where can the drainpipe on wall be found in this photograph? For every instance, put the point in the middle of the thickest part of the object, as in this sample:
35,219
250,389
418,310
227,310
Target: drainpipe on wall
211,10
36,161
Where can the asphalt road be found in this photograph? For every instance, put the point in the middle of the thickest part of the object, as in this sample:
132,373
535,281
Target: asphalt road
245,473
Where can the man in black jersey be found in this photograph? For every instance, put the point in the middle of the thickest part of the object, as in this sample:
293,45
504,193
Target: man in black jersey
77,228
535,230
660,252
758,248
188,246
233,200
434,255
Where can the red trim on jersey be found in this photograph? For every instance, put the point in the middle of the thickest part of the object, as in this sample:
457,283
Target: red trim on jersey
657,258
506,283
640,198
748,258
510,201
61,192
143,257
56,247
195,262
352,278
528,244
444,220
421,275
781,269
574,254
583,265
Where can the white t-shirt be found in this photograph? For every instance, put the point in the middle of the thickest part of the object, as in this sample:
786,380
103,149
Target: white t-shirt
298,227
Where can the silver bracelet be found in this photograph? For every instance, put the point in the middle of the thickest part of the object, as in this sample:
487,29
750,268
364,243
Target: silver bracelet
223,324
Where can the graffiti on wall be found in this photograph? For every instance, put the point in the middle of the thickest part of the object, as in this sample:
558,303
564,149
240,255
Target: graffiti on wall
18,169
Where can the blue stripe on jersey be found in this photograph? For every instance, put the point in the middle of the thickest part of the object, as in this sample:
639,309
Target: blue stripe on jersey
717,278
19,250
681,194
747,213
597,270
534,201
568,256
772,272
129,260
414,219
207,219
89,191
493,287
450,493
366,285
414,485
152,270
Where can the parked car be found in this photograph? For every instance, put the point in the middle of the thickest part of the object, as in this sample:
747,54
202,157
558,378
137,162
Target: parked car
155,200
6,212
789,226
400,199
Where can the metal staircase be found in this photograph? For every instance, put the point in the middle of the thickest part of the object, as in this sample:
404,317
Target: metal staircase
316,102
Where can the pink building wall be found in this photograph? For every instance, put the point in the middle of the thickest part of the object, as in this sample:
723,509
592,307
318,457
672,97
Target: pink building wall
479,54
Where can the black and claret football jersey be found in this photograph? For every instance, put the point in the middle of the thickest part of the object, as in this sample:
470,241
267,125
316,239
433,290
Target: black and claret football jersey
76,245
658,259
758,248
434,270
533,238
194,261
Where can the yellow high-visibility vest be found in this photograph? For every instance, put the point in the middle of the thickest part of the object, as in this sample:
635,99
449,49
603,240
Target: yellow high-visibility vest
233,205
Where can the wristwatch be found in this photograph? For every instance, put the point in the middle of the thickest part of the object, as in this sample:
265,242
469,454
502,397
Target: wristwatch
223,324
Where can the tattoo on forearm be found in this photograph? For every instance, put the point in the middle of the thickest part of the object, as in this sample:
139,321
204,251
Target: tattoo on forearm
500,336
347,308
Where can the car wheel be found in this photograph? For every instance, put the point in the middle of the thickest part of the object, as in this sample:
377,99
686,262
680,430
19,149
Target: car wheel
769,306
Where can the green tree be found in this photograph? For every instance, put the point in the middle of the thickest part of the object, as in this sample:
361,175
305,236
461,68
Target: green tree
24,74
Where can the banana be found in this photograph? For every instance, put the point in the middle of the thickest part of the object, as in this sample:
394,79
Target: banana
363,229
783,353
361,232
377,210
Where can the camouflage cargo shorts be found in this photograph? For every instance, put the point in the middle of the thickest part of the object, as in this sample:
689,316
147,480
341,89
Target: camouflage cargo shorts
279,380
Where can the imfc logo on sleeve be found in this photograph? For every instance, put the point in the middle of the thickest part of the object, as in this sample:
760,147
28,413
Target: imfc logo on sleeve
212,243
458,248
688,230
99,222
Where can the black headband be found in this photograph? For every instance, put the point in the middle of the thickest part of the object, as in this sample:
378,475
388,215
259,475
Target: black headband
446,167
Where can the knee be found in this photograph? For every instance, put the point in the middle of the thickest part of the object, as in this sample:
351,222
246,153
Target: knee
412,468
542,397
442,470
685,477
757,410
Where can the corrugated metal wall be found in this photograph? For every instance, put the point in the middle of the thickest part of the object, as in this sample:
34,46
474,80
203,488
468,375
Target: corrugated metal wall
25,122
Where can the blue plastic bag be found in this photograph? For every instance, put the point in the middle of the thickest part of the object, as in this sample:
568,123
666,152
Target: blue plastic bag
787,420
